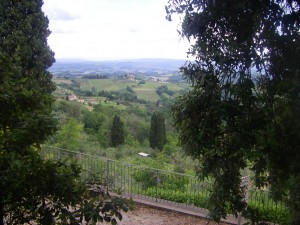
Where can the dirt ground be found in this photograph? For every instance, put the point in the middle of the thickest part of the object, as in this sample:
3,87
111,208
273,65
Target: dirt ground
145,215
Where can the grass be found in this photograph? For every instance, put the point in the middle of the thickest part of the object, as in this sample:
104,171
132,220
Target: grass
61,81
146,91
105,84
61,92
147,94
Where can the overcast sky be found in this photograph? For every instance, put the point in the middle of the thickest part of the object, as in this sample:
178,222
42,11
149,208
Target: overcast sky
112,29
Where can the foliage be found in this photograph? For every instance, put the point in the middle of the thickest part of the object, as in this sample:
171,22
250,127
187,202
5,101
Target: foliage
258,213
34,190
244,106
70,109
54,194
97,76
92,121
69,136
103,138
157,134
164,89
117,132
138,127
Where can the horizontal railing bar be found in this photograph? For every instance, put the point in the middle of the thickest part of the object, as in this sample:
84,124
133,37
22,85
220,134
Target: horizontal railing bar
123,163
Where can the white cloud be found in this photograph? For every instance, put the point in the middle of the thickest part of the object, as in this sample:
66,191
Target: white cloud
99,29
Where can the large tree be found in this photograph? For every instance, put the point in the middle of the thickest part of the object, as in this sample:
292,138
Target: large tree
157,134
243,110
33,189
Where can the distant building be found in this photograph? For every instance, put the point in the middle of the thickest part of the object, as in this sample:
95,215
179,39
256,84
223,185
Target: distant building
93,101
72,97
131,76
143,154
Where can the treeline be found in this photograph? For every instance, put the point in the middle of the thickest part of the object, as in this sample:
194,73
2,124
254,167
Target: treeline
117,75
97,76
128,95
164,90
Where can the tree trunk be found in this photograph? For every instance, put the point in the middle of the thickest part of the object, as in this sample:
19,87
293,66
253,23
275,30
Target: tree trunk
1,215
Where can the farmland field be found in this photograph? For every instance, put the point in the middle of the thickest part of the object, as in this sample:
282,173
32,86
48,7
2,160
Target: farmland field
62,81
146,91
105,84
147,94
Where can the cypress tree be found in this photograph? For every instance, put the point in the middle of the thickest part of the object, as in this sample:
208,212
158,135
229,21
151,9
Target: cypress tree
33,189
117,132
157,135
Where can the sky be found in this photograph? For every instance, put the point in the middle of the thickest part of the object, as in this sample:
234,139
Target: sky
113,29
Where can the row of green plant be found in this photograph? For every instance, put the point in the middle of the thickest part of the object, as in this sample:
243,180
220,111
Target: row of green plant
262,208
198,199
258,211
173,187
261,215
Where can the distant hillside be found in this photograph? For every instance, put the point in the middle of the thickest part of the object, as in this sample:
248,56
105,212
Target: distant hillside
117,67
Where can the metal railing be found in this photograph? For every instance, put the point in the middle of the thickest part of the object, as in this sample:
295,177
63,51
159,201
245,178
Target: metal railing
158,185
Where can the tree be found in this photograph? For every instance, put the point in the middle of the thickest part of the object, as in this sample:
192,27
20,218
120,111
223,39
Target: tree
69,136
92,121
71,108
32,189
117,132
244,106
157,134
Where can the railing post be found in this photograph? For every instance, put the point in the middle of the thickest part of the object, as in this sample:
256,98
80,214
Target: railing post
157,183
107,174
59,155
244,187
130,182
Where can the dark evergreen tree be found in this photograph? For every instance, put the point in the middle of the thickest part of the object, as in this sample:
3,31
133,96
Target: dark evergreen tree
157,134
32,189
244,106
117,132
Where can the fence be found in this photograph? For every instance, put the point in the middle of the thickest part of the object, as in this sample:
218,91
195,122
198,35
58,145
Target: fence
159,185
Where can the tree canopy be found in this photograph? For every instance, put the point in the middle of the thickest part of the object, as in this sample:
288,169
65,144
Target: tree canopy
243,109
33,189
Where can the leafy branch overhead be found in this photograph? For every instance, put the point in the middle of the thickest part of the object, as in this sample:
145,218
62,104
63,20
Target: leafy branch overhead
243,109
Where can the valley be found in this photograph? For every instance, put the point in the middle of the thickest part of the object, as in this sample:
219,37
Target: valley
86,103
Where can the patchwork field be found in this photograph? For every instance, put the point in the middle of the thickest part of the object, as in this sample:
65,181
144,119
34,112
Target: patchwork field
145,91
105,84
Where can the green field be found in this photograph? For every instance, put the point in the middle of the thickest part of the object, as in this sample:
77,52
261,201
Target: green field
62,81
145,91
105,84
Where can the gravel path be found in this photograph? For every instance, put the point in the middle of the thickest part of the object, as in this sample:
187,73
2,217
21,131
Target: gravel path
145,215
